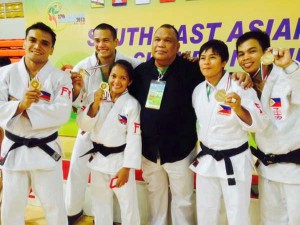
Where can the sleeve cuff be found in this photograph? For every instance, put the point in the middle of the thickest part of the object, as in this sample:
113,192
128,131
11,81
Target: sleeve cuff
292,68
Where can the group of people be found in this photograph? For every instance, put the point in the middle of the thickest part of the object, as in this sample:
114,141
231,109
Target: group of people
151,116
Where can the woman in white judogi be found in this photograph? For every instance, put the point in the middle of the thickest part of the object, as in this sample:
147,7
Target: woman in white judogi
31,115
79,172
225,112
114,123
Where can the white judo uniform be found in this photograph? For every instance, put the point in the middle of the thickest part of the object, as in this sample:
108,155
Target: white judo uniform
219,128
25,167
114,125
79,171
279,185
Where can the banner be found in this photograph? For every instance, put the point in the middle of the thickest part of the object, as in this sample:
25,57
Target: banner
136,21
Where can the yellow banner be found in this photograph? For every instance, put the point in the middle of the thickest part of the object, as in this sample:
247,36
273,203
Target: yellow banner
136,20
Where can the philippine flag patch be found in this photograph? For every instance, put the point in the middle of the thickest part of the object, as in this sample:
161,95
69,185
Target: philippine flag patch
122,119
275,102
224,110
45,96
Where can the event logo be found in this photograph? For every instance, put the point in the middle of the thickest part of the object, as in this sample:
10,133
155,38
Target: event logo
58,18
53,11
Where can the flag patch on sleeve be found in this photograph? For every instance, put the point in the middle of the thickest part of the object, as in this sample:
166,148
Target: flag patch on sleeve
122,119
45,96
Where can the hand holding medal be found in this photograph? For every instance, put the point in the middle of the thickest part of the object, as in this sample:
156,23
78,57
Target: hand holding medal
104,86
221,96
83,73
267,58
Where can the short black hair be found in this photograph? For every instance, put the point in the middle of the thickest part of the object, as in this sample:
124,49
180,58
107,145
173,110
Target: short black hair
125,65
169,26
43,27
105,26
261,36
216,46
4,61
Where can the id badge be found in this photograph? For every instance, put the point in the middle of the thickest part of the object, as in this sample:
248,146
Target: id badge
155,94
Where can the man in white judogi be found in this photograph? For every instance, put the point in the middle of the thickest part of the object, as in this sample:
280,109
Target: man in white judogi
35,100
106,41
277,84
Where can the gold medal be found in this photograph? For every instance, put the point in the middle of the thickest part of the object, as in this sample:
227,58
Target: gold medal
104,86
275,52
35,84
220,95
83,72
267,58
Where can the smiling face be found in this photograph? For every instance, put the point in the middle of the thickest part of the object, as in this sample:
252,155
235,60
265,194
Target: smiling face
118,80
211,66
38,47
105,44
165,46
249,54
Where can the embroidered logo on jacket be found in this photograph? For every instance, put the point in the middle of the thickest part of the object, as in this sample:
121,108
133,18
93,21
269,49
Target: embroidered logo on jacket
137,127
224,110
122,119
65,91
259,108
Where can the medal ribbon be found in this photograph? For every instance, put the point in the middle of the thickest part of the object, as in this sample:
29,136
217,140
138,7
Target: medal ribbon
264,71
209,86
228,85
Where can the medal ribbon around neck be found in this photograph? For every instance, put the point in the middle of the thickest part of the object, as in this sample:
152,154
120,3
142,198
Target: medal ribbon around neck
221,93
264,71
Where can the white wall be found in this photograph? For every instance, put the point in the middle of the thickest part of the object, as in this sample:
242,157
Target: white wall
12,28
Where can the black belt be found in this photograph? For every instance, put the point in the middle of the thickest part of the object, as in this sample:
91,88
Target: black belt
267,159
31,143
105,150
223,154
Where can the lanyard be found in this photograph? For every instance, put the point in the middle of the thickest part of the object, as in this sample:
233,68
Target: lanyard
161,73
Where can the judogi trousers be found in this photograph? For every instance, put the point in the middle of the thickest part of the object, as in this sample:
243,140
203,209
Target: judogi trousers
48,187
279,203
102,199
181,181
78,177
209,194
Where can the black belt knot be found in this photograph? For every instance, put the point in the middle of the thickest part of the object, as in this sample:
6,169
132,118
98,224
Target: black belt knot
223,154
104,150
